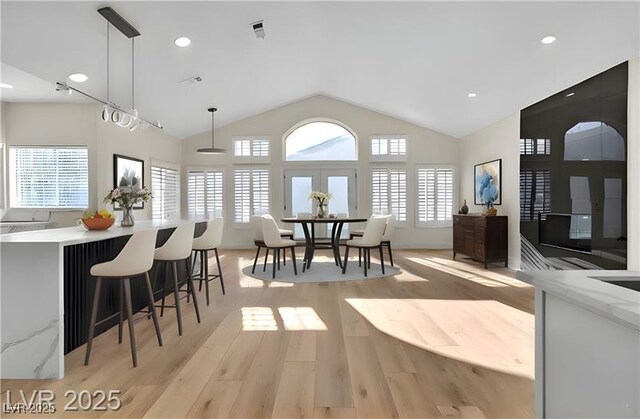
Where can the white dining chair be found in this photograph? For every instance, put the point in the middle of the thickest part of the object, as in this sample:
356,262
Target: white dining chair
273,241
371,239
386,238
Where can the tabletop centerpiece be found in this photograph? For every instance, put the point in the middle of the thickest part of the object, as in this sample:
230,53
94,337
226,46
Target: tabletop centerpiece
126,198
322,199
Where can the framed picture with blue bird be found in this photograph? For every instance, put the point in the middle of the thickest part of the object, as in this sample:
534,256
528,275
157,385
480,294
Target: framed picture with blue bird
488,183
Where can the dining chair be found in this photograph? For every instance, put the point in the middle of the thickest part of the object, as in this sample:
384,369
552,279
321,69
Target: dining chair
177,249
135,259
258,240
210,240
371,239
386,238
273,241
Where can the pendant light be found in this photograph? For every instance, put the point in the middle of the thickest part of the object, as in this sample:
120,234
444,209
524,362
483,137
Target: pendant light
212,149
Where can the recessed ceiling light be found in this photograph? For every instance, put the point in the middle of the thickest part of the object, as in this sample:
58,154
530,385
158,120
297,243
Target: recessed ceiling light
548,39
78,77
182,42
569,94
6,86
472,95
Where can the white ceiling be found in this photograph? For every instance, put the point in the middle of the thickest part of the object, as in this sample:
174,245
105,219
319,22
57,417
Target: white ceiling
415,60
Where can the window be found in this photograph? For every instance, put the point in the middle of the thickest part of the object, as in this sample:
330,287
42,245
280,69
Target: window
435,196
389,192
251,147
251,194
320,141
165,190
49,177
540,146
535,193
206,192
385,148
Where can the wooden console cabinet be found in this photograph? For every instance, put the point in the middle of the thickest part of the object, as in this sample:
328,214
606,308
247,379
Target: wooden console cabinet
481,238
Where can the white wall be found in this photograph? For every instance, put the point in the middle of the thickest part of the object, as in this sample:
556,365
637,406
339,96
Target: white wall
424,146
80,124
633,166
498,141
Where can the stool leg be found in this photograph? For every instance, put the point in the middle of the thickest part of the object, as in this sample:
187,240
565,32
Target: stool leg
365,264
152,308
219,270
193,293
359,256
275,252
205,256
92,325
202,269
121,317
176,296
381,260
293,259
132,332
278,257
187,264
164,287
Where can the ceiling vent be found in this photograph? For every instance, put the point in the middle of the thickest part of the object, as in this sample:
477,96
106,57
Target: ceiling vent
258,28
191,80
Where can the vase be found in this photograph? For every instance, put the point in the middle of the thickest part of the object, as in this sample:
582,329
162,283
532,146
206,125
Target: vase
321,211
127,217
465,208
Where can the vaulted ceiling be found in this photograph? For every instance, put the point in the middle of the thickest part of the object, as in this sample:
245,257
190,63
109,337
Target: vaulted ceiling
416,60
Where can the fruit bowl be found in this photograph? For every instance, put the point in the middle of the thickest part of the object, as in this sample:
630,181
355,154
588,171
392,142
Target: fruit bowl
97,223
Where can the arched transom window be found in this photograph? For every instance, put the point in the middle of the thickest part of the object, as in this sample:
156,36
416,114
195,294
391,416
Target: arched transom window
316,141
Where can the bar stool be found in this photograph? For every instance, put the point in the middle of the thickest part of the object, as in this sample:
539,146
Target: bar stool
135,259
210,240
177,248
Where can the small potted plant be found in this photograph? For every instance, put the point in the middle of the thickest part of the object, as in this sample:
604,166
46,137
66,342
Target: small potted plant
322,199
127,199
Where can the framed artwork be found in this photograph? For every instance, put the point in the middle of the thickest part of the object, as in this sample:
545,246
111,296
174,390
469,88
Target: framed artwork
128,175
488,182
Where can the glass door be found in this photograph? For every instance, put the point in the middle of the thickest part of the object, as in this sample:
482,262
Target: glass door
340,183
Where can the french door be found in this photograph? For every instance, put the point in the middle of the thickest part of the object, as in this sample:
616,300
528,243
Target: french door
340,183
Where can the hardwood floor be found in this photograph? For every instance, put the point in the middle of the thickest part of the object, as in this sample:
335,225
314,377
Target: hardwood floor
442,339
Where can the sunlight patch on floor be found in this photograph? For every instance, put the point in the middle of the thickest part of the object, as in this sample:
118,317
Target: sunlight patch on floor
301,318
258,319
486,333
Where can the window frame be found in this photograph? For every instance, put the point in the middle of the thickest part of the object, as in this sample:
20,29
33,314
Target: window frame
206,169
435,223
388,210
251,159
167,166
232,185
388,157
12,173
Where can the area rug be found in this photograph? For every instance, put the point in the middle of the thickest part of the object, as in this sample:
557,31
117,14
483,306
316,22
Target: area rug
320,271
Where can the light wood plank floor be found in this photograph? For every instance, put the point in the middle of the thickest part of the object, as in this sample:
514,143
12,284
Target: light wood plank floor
442,339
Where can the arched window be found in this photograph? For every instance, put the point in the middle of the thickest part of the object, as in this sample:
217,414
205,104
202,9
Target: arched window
322,140
593,141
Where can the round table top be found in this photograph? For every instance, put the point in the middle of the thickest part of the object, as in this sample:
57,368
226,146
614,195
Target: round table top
326,220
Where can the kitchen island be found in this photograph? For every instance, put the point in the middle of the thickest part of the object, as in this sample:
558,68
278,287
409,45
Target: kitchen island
587,343
46,289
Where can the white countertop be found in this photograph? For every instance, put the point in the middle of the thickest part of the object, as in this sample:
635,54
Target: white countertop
612,301
76,235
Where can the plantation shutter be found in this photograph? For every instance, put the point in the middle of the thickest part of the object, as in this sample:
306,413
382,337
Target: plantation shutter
251,194
389,192
435,196
205,193
49,177
165,190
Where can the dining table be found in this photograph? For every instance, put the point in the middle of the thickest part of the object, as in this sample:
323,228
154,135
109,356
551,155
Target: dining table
312,242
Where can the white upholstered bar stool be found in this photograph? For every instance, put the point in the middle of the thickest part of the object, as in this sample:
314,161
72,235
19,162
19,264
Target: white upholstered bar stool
371,239
176,249
274,241
135,259
210,240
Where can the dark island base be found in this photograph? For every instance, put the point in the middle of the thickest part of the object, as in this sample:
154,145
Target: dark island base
79,285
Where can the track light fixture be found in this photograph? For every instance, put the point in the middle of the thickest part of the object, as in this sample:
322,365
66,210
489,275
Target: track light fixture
212,149
126,118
